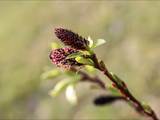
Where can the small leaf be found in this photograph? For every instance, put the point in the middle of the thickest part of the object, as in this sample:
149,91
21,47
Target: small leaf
146,107
74,76
54,45
85,61
59,87
71,94
50,74
98,43
90,41
74,55
90,69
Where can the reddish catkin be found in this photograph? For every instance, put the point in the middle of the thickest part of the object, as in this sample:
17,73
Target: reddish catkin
58,57
71,39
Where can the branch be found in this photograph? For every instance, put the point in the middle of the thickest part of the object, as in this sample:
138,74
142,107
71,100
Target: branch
121,86
87,78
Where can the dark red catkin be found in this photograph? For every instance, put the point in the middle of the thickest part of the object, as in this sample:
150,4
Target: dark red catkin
58,57
71,39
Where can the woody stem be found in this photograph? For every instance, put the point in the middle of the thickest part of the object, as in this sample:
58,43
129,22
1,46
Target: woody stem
122,87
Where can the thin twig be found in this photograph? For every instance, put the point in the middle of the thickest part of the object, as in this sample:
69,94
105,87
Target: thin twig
124,90
87,78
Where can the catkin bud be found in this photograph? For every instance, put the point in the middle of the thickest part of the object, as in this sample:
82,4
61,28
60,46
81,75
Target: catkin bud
58,57
107,99
71,39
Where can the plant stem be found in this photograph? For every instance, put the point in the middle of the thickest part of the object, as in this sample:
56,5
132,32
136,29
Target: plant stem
87,78
123,89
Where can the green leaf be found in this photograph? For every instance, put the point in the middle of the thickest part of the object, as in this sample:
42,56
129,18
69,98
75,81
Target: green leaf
54,45
90,42
85,61
74,55
98,43
59,87
90,69
50,74
146,107
63,84
71,94
73,75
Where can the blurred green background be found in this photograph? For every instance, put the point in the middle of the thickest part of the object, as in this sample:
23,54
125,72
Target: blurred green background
132,30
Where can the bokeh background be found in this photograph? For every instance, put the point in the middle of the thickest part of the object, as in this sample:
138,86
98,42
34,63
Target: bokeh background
132,32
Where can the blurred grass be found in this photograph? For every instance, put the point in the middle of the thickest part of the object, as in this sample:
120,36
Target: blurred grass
132,52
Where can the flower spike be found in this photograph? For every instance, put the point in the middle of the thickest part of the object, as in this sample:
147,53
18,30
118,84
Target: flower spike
58,57
71,39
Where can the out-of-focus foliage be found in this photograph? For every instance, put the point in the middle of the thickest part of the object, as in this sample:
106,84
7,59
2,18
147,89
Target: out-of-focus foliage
132,30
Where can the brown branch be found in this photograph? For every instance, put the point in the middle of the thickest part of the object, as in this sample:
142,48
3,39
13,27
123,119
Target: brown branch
87,78
121,86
